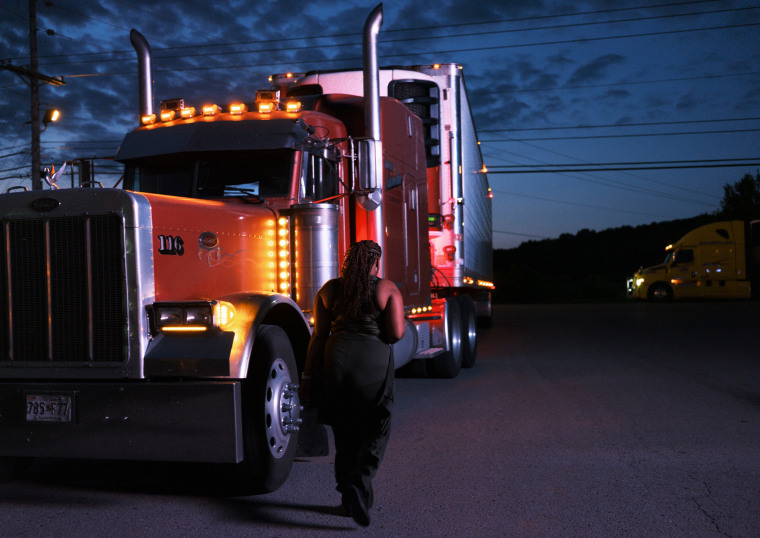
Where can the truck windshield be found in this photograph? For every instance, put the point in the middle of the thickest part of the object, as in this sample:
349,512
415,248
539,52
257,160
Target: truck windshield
261,173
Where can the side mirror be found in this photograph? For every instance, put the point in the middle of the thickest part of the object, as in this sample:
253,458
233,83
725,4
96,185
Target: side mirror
369,178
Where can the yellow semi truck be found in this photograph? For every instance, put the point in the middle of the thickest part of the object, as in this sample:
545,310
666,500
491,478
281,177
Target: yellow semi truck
718,260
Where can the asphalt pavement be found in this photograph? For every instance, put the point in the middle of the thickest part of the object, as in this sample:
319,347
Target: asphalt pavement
577,420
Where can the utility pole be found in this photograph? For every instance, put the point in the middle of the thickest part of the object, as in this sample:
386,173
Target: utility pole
33,79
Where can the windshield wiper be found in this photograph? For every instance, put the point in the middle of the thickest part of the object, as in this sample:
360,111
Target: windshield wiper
247,192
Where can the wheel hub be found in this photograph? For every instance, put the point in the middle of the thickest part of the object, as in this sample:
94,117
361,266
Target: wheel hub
282,408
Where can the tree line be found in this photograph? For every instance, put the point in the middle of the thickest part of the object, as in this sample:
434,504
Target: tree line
592,266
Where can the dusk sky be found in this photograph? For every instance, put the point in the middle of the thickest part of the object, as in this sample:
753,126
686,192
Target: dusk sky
592,114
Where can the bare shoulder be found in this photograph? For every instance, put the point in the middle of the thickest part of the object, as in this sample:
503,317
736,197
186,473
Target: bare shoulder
386,293
327,292
386,286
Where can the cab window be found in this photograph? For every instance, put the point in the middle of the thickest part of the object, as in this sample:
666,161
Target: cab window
263,173
683,256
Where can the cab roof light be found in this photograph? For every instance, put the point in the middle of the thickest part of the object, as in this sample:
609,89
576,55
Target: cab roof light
266,107
267,100
285,79
211,110
238,108
267,95
148,119
168,115
293,106
188,112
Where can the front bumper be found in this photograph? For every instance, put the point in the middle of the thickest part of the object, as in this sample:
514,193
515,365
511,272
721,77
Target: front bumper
197,421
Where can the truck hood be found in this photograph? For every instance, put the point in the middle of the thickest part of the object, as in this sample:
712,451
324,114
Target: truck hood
650,270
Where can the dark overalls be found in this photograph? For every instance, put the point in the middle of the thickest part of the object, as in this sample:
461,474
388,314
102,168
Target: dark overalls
359,390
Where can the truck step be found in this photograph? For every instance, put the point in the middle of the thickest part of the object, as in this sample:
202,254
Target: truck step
429,353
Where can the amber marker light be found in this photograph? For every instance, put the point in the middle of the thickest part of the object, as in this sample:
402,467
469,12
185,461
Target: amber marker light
183,329
266,107
224,313
211,110
293,106
271,254
188,112
283,242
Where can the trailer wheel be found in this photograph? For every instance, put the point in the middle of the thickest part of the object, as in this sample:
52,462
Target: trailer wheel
271,412
448,363
469,330
659,293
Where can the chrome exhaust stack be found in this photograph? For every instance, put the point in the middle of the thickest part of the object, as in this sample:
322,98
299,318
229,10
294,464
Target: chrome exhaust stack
145,71
371,74
373,199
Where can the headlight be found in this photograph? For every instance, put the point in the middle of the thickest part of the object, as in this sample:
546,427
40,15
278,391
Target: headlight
198,315
192,316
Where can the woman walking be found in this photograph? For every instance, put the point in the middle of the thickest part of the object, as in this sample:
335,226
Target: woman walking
356,319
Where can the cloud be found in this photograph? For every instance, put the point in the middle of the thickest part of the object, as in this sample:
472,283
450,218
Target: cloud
688,101
594,70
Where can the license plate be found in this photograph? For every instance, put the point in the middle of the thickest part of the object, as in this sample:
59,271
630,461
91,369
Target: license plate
48,407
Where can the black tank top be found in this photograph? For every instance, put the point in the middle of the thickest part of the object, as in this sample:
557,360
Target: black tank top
370,323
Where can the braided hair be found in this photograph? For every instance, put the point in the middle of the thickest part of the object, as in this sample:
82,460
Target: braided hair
354,295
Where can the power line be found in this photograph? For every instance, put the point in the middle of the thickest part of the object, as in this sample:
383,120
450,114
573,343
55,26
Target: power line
414,54
520,234
424,38
615,125
623,168
196,46
607,182
727,162
607,84
576,204
631,135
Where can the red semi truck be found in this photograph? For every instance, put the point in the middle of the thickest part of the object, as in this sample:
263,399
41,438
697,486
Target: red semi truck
169,320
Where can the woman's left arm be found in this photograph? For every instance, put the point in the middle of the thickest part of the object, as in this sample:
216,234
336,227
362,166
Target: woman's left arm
393,309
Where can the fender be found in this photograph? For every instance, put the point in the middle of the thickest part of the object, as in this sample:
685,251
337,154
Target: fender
272,309
227,353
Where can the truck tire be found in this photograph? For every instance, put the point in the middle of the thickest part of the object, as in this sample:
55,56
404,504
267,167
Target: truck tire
271,413
449,362
469,330
659,293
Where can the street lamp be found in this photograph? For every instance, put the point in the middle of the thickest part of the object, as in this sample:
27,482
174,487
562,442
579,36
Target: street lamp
51,115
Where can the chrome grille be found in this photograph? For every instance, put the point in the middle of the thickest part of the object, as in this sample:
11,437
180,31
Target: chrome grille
63,289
